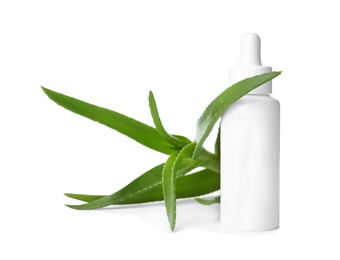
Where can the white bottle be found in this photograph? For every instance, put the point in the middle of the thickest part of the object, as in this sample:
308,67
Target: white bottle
250,145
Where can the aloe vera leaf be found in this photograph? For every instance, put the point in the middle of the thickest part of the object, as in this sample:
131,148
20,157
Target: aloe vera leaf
148,181
159,126
141,184
169,189
185,153
196,184
187,186
84,197
183,139
209,160
170,172
218,143
208,202
216,108
132,128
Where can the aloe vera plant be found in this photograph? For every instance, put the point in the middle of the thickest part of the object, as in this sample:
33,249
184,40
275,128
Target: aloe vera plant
175,178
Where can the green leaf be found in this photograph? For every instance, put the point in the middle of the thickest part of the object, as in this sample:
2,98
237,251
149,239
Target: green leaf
145,183
218,143
208,202
169,189
217,107
183,139
209,160
185,154
196,184
179,143
84,197
132,128
170,172
187,186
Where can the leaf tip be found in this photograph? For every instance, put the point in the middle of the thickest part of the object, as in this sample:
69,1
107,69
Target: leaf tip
70,206
151,94
208,202
172,224
43,89
70,195
46,91
173,227
73,206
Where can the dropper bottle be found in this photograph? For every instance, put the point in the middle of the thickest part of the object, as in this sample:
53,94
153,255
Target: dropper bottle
250,144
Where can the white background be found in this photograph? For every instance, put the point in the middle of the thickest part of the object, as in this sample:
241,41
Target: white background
111,53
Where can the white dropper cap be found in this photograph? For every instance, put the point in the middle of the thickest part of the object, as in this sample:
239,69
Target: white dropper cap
250,64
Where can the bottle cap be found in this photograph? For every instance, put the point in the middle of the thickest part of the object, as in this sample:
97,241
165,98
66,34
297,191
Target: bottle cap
250,64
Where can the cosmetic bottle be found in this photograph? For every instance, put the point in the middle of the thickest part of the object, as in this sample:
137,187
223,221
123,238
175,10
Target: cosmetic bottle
250,142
